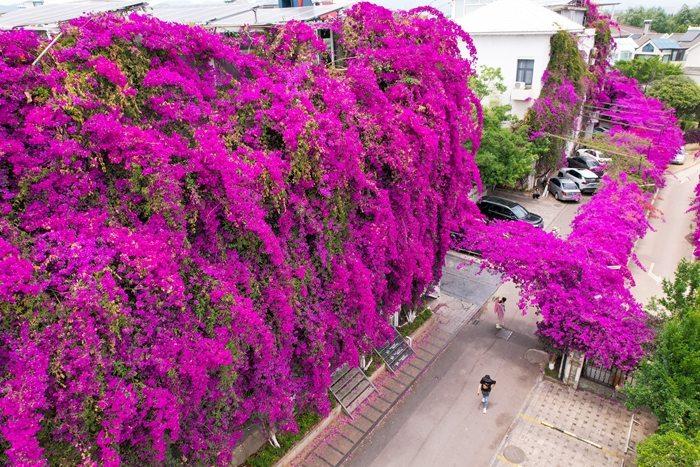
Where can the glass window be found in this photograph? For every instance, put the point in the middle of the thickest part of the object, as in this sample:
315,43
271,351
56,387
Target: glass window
648,48
677,55
525,71
556,182
519,211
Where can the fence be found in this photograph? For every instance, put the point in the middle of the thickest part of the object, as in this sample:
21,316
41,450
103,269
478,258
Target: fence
613,378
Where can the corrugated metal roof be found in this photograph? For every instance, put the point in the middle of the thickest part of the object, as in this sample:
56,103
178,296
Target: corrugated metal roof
269,16
199,14
45,15
7,8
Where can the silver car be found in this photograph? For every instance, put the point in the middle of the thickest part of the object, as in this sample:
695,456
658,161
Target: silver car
679,158
599,156
564,189
585,180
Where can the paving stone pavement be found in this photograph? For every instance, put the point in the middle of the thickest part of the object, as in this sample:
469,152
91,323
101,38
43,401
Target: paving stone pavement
562,427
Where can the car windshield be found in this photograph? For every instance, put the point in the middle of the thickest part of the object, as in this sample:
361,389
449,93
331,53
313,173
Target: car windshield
519,211
590,162
568,185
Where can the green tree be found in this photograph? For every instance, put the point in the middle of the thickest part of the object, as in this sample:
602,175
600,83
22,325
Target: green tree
646,70
668,450
668,383
660,20
506,154
679,92
488,82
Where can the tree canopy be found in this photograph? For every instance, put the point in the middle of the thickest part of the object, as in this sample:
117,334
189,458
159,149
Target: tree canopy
679,92
646,70
506,154
667,382
661,20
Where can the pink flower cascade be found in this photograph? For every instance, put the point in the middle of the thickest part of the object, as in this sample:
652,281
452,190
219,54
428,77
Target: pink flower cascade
696,208
579,285
196,230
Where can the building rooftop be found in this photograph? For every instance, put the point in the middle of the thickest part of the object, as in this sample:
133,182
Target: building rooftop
515,17
46,17
661,43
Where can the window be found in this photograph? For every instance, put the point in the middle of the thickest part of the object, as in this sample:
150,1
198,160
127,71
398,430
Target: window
625,55
677,55
648,48
525,71
519,211
556,182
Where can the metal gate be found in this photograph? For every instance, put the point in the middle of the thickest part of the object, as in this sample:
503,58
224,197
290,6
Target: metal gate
613,377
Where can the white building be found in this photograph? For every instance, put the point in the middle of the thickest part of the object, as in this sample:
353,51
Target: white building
514,35
625,48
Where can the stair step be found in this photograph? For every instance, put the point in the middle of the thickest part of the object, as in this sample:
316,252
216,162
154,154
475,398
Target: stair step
350,387
360,398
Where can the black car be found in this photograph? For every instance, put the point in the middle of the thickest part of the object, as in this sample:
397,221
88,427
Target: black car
586,162
495,207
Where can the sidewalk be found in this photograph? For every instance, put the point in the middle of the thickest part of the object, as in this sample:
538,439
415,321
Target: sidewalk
562,427
341,438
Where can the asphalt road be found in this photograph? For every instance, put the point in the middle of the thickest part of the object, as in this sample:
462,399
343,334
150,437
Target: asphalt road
439,423
662,249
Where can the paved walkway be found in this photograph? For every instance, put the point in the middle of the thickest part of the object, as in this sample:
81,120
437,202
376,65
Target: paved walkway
562,427
341,438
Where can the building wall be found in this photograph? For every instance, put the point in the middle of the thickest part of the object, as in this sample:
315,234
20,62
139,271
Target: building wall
503,52
692,57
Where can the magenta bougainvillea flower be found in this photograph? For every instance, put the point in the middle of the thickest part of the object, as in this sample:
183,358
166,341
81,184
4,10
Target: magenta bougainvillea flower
196,230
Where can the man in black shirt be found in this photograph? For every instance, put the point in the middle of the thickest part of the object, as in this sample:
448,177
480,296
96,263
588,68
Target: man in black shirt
485,389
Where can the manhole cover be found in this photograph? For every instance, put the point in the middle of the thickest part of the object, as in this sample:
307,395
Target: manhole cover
504,333
536,356
514,454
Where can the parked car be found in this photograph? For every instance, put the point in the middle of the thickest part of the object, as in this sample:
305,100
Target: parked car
600,130
595,154
586,162
679,159
585,180
564,189
495,207
432,291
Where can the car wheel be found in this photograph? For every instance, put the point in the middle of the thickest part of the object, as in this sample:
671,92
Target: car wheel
556,196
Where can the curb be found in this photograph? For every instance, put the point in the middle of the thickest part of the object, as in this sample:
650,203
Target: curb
337,411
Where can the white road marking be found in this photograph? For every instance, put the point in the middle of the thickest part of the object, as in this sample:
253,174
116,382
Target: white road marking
652,275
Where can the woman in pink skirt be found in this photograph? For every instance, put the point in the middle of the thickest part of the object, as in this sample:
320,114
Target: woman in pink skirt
500,308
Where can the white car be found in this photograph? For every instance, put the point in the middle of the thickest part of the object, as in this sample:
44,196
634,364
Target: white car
585,180
679,159
599,156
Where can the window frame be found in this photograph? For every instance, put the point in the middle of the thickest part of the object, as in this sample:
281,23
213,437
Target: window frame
525,71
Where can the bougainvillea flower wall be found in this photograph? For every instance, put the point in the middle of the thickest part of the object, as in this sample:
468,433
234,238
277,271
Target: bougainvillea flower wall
197,229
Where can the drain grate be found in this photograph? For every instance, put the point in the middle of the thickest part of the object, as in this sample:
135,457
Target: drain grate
504,334
475,322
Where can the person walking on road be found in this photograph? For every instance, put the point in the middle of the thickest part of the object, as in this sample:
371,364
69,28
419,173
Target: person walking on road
500,308
485,390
